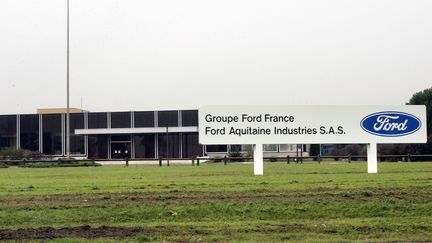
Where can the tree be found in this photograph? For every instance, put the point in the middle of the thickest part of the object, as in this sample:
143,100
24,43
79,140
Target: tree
424,98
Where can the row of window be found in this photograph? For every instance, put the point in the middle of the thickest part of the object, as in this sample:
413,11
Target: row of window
143,119
52,144
52,127
176,145
52,133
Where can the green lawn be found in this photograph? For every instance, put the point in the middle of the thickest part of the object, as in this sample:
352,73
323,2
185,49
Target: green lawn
311,202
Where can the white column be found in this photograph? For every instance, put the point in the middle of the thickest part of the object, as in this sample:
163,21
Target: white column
258,159
372,162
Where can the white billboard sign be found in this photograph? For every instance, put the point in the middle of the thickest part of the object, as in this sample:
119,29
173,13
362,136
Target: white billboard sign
260,125
312,124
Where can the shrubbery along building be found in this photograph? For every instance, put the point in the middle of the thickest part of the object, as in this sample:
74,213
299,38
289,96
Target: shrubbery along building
117,135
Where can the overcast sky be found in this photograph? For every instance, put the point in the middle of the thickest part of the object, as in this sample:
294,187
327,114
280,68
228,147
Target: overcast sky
146,55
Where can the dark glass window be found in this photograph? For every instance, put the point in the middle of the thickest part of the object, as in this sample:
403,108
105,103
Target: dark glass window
120,120
121,138
236,148
217,148
52,134
144,119
77,144
29,132
8,129
145,146
98,146
173,145
76,122
97,120
168,118
76,141
190,145
190,118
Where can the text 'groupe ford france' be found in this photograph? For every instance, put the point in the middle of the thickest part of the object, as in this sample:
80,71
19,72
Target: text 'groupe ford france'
248,118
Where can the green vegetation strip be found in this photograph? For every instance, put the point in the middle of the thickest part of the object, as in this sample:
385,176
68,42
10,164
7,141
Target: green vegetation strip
301,202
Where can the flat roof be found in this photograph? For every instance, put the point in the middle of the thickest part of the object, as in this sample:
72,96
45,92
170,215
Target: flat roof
59,110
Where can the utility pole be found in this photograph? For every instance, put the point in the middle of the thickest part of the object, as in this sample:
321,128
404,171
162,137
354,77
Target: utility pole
67,87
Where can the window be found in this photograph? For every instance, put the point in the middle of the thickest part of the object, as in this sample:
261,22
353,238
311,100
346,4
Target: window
76,141
97,120
247,147
189,118
216,148
98,146
190,145
286,147
145,146
52,134
270,147
29,132
173,145
168,118
236,148
120,120
8,130
144,119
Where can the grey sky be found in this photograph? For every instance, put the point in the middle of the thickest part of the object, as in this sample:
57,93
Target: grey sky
138,55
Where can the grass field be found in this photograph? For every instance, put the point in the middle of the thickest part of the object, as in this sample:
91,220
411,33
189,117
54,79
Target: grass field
327,202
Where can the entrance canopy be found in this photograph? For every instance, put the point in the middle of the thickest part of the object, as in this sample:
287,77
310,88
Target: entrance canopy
135,130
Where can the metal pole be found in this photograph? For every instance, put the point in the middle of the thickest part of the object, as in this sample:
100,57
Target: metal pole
301,154
167,145
67,89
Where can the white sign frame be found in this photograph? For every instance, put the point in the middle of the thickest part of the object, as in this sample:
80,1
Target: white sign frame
260,125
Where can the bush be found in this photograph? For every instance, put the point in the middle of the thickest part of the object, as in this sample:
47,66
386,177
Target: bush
40,165
61,163
3,165
15,154
36,155
342,150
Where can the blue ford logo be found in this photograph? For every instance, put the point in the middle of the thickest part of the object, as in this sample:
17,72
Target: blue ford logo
390,124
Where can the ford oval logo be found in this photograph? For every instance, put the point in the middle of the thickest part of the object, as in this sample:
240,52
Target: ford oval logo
390,124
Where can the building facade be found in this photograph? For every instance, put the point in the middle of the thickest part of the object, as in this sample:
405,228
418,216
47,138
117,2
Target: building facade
117,135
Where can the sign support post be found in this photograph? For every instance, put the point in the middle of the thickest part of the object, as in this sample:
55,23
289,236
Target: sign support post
372,163
258,159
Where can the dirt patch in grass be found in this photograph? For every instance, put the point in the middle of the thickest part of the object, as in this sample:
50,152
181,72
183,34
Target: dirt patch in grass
71,232
184,232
